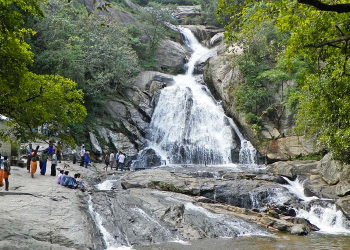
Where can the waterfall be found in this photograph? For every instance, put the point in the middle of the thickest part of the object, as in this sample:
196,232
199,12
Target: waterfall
188,126
324,215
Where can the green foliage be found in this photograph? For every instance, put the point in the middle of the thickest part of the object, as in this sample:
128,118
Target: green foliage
30,100
252,118
208,9
169,187
145,38
314,53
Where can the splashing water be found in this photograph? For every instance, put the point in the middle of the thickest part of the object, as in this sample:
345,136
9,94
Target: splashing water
189,125
327,217
110,242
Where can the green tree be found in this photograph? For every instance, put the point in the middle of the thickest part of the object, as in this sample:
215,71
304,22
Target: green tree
30,100
318,36
90,49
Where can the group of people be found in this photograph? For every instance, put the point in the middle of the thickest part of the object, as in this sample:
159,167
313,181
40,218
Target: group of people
5,171
117,159
33,157
71,182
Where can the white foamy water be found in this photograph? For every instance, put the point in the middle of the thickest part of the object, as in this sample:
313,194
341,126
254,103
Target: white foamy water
106,185
111,243
297,187
188,125
327,218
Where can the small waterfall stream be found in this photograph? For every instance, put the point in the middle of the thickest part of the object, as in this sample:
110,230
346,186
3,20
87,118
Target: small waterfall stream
322,214
188,126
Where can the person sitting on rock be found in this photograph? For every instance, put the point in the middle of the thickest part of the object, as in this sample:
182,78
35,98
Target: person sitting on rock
63,178
69,181
59,177
79,182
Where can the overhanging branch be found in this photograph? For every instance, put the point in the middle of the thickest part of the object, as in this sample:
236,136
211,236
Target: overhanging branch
330,42
339,8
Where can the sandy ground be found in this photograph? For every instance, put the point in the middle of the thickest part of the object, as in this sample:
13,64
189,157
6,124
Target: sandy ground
37,213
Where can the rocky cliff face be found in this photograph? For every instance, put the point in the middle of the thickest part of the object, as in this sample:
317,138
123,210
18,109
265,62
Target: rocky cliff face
275,140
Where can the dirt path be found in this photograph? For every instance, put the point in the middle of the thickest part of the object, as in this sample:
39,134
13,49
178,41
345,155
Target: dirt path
37,213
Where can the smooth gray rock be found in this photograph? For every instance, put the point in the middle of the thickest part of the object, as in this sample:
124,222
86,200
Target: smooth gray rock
171,56
96,148
292,169
344,204
330,169
299,230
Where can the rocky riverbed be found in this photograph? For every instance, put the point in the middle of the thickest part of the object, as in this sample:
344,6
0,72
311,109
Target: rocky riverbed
180,204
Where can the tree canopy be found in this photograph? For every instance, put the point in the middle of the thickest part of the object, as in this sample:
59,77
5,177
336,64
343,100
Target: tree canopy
315,33
28,99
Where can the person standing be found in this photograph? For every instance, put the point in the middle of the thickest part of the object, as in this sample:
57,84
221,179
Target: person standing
121,160
87,159
29,155
50,149
106,161
2,168
53,164
59,151
74,153
82,155
117,160
34,161
111,159
7,170
43,162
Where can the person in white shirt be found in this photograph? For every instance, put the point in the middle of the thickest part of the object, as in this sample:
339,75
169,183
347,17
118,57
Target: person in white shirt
82,155
111,160
53,164
121,160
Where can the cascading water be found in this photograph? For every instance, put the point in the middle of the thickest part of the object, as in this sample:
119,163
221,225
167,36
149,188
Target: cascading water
322,214
188,126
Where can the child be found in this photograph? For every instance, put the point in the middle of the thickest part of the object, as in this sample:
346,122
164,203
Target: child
86,160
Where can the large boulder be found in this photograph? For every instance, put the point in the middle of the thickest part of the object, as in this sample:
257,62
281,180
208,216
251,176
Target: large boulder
121,16
287,147
330,170
344,204
292,169
171,56
205,33
147,158
95,146
122,143
185,13
151,81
